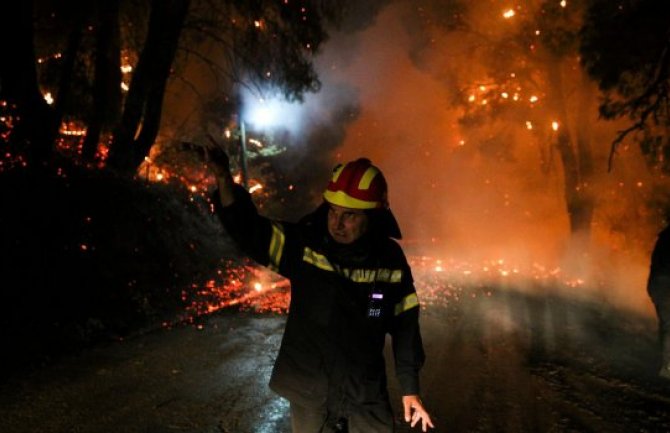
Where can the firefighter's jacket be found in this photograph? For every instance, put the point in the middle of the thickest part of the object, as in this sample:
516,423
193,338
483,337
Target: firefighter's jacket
344,301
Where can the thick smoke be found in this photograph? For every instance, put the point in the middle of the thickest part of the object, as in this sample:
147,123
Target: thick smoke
388,93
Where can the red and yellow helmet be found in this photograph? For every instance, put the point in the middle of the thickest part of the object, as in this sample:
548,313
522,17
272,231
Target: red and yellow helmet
357,185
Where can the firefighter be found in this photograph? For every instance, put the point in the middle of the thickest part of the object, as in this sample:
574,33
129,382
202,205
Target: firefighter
351,285
658,287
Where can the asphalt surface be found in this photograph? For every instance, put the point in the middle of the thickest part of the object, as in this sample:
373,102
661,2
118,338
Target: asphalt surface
498,361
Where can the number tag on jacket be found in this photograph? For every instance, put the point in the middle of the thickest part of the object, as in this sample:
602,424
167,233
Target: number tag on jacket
375,305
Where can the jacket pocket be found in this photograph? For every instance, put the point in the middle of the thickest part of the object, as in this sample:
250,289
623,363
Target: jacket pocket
299,376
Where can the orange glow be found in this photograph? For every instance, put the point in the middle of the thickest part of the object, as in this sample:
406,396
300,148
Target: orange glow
71,129
438,282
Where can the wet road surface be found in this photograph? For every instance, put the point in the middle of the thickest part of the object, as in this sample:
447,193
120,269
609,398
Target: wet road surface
498,361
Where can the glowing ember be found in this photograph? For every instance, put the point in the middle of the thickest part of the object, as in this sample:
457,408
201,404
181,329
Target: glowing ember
554,126
255,188
48,98
71,128
509,13
245,286
442,282
439,283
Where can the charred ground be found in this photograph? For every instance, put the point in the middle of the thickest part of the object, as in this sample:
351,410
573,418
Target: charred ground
87,256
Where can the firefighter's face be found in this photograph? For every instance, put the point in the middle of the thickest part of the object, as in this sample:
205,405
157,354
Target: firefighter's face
346,225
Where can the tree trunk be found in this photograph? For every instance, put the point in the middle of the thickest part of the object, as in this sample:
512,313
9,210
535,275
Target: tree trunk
577,160
152,120
107,81
585,154
19,87
143,106
67,72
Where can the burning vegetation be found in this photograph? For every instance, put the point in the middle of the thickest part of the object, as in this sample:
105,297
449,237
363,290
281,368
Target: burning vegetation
488,129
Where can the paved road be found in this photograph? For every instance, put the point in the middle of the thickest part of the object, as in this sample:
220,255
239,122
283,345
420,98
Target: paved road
499,361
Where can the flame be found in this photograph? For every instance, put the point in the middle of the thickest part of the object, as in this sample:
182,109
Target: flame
49,98
72,129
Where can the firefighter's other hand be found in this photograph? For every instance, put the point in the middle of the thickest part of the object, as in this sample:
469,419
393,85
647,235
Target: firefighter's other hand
415,412
217,162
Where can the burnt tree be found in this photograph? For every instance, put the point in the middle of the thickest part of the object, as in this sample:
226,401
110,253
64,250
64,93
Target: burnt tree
106,110
142,110
19,85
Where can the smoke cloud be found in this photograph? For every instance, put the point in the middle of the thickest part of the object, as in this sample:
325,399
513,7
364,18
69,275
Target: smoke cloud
388,93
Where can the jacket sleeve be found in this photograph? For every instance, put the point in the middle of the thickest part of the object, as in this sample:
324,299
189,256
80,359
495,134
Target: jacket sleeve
406,336
264,240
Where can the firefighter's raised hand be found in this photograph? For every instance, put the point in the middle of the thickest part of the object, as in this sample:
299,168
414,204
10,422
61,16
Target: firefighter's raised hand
415,412
217,162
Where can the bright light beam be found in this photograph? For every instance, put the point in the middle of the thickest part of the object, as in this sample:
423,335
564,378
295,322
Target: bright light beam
264,114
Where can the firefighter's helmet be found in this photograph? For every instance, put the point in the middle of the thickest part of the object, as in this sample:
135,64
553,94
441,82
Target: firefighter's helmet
360,185
357,185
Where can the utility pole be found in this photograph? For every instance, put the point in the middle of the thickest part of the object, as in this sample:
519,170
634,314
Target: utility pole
243,153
